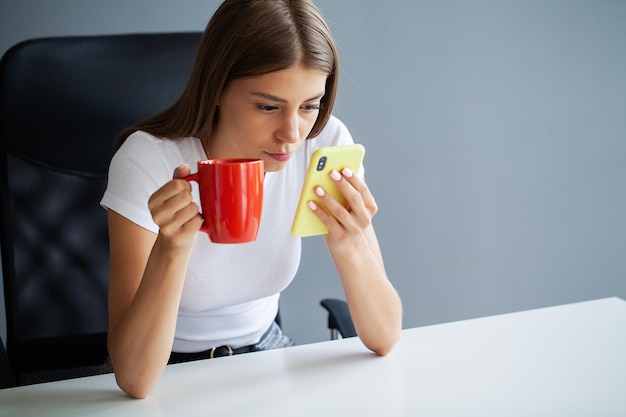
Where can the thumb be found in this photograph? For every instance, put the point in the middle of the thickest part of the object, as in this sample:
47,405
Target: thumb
182,171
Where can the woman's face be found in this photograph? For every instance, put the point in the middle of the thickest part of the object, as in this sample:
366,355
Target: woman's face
268,116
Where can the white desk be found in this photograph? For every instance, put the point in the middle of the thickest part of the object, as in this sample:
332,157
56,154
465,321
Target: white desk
561,361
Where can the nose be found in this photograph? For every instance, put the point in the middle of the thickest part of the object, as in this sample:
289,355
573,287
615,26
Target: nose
289,129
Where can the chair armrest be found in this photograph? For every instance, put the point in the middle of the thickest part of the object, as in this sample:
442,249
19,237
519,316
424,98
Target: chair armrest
6,375
339,320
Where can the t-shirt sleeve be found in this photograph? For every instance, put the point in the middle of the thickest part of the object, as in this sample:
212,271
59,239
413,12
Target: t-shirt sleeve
136,171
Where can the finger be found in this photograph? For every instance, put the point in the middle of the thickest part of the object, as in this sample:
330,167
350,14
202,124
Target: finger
358,182
168,191
333,214
368,198
350,187
360,204
331,223
182,171
169,199
188,217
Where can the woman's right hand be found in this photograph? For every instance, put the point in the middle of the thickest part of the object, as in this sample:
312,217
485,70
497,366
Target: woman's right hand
174,211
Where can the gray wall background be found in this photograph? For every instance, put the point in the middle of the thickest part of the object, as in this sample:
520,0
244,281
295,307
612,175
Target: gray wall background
496,143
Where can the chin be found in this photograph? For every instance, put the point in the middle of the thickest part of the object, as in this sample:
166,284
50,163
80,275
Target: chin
273,166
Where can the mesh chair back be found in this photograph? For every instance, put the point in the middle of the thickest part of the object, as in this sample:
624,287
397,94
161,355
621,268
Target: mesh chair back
62,102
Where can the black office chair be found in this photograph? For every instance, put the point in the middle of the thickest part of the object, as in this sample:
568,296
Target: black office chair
339,320
62,102
6,374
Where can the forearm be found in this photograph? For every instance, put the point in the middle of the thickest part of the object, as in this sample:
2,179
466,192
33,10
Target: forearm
140,342
374,304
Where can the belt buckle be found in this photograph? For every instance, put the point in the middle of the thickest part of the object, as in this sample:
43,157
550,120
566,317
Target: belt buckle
212,351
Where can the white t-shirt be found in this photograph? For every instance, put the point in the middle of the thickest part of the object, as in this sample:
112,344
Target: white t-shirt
231,291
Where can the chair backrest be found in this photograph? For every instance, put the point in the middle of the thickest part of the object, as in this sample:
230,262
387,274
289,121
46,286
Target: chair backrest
62,102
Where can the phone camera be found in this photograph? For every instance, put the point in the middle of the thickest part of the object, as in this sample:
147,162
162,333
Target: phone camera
321,163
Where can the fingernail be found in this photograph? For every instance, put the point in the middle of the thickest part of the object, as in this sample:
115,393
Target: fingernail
347,172
312,205
335,175
319,191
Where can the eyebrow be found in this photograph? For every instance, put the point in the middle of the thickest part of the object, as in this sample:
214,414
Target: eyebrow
282,100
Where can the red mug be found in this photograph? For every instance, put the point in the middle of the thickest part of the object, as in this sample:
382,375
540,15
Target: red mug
231,196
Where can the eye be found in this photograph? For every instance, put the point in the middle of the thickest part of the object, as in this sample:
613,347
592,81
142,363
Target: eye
311,107
266,107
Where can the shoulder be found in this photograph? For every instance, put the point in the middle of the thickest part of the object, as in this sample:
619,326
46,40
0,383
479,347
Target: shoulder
147,147
139,145
334,133
145,156
140,140
336,130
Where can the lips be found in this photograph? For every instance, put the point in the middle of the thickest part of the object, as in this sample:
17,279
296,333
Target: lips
281,157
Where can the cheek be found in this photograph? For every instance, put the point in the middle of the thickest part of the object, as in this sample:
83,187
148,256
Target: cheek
238,121
307,125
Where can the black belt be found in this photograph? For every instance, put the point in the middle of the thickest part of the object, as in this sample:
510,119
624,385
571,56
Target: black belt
216,352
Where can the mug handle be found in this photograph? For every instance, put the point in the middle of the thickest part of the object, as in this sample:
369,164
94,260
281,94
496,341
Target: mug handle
195,177
192,177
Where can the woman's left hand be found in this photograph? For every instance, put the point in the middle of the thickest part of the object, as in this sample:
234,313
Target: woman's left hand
346,224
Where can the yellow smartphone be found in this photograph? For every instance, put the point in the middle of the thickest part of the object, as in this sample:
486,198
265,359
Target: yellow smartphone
323,161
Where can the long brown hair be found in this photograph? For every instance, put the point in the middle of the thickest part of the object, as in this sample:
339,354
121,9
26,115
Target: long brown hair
246,38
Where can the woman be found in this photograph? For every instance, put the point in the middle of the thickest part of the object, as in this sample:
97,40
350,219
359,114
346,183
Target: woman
262,86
